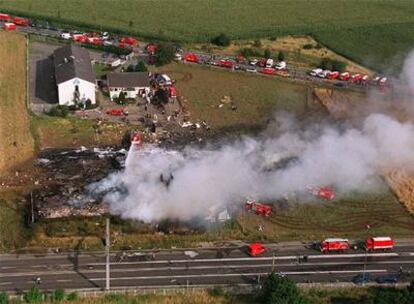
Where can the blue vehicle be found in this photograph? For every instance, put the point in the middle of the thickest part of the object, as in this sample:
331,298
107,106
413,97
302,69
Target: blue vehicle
387,279
362,278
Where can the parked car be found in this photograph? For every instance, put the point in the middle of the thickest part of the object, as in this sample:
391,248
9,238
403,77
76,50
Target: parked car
362,278
65,35
315,72
253,62
251,70
387,279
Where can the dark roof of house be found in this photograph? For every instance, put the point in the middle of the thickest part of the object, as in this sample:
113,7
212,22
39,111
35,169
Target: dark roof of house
72,61
135,79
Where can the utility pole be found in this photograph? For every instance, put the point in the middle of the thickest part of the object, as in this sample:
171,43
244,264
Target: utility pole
273,262
107,245
31,207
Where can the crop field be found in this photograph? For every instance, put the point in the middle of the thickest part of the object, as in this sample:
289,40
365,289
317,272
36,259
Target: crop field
374,32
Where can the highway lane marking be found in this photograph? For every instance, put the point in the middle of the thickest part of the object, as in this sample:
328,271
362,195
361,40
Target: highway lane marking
8,267
5,283
240,274
63,280
292,257
182,268
65,257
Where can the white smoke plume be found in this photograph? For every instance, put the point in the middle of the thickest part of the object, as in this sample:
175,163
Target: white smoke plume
195,182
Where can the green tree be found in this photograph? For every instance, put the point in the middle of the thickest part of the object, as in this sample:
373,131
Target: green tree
141,67
57,295
280,290
339,66
4,299
221,40
281,56
73,296
130,68
34,295
165,53
267,54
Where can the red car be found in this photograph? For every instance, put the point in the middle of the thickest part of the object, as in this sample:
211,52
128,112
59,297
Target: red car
255,249
191,57
267,71
115,112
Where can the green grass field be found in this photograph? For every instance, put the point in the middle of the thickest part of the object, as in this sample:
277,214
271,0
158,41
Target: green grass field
374,32
256,97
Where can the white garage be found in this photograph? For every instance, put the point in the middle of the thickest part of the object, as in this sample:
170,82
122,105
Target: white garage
75,78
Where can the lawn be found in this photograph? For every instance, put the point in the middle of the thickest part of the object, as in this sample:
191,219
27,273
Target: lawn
56,132
372,31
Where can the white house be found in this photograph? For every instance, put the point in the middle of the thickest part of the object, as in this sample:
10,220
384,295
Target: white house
132,84
75,78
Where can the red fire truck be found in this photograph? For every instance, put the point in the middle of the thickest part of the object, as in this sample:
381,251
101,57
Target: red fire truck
136,139
4,17
225,63
323,192
259,209
21,21
334,245
379,243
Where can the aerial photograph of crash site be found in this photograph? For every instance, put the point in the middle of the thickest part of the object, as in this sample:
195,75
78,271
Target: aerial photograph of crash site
244,151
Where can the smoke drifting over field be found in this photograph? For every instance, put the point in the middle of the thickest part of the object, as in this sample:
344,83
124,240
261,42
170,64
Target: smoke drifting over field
195,182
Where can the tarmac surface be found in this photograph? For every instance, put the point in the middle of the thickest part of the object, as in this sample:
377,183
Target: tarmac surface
185,268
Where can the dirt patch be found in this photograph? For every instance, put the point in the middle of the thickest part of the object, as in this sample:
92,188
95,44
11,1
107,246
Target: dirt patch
16,143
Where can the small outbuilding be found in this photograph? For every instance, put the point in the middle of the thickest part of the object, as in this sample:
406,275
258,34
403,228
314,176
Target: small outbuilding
132,84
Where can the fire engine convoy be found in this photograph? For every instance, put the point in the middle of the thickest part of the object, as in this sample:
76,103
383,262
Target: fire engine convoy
342,245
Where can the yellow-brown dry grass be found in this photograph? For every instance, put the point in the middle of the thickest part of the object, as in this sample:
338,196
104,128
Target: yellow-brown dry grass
16,143
201,297
402,184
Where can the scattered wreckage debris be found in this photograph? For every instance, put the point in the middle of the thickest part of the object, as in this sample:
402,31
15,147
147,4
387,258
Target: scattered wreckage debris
67,172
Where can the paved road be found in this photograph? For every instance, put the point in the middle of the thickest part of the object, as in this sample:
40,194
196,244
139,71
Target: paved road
295,73
227,266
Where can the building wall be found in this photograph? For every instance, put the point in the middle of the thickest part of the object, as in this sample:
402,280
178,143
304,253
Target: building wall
114,92
66,91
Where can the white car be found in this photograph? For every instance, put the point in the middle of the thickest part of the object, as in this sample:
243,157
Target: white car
253,62
107,43
65,35
269,63
324,74
251,70
281,65
315,72
105,36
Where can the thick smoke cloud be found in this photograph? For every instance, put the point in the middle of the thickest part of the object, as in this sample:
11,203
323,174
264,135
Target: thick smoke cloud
191,183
